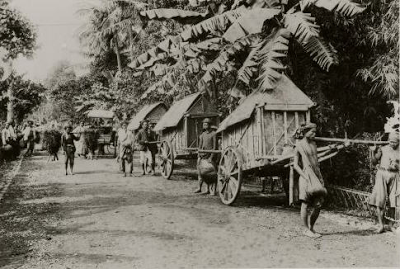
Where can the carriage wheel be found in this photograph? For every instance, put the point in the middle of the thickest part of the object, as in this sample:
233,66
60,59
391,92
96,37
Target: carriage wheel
167,159
229,175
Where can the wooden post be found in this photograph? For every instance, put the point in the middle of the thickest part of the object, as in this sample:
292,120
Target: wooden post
259,132
291,185
285,126
273,130
261,153
296,116
185,131
308,116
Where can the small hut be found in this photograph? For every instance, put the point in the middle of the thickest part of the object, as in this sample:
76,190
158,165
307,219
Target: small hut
152,113
265,122
182,124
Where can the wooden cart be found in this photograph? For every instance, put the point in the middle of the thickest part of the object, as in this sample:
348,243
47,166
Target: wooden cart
180,128
257,137
103,120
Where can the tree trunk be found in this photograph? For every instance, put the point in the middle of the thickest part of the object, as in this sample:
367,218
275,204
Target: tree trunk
10,104
131,42
118,54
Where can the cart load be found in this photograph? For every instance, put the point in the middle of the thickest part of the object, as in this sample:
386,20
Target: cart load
180,128
151,113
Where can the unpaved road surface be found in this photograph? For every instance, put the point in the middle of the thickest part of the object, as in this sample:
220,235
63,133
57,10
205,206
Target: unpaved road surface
99,219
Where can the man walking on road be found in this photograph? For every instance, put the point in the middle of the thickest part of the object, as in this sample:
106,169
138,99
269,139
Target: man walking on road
311,183
143,141
67,142
387,178
123,135
29,138
152,138
207,141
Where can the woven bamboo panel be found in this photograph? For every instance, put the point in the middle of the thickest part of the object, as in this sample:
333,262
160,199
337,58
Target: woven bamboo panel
354,199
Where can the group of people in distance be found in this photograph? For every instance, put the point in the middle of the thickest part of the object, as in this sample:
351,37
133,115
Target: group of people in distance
12,138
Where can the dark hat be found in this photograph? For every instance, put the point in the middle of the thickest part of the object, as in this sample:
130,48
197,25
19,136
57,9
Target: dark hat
68,125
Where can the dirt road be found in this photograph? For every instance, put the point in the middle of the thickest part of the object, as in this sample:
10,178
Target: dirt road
99,219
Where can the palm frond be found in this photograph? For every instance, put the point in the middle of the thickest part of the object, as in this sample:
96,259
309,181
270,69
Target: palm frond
259,4
250,65
270,56
176,14
301,25
221,63
324,54
345,7
215,24
250,22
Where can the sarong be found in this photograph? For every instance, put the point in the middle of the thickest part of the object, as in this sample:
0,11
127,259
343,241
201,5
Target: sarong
384,188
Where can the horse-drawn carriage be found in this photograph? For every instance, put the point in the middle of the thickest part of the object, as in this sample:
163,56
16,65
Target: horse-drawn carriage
180,128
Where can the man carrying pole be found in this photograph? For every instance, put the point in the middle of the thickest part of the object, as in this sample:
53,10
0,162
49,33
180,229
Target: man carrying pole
311,184
207,141
386,178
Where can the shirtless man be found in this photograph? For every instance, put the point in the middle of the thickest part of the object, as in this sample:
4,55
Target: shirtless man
67,142
307,166
386,178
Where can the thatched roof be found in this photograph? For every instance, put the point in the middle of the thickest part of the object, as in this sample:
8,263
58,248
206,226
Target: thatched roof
142,114
286,96
176,112
105,114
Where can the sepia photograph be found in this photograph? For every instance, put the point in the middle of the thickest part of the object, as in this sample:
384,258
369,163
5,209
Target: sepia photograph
199,134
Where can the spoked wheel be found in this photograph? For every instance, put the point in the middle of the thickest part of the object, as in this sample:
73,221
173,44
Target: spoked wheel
229,175
167,159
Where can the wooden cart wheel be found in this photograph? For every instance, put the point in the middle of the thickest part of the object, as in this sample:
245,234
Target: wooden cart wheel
167,159
229,175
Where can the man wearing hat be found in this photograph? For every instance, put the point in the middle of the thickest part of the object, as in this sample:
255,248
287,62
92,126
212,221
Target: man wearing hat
207,141
67,142
143,140
386,179
29,138
152,138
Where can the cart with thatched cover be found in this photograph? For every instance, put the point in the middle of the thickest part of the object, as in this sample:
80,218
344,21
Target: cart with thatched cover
151,113
180,128
258,133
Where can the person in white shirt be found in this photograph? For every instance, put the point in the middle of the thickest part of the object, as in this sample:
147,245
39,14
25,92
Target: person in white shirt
6,136
81,145
122,137
9,138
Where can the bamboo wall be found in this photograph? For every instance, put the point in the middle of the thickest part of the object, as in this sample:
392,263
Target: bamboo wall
177,137
264,135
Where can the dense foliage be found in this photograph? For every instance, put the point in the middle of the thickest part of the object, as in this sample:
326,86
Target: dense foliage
174,48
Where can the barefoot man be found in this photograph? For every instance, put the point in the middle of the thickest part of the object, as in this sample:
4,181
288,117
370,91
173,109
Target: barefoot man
311,184
67,142
386,177
207,141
